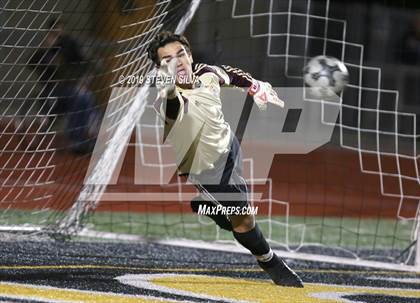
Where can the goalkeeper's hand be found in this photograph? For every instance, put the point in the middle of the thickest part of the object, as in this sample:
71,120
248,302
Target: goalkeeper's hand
263,93
165,79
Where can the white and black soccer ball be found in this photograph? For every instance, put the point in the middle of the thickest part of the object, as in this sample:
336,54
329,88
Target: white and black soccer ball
326,76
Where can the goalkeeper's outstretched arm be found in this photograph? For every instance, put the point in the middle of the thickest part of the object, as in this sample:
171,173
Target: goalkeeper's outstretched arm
262,92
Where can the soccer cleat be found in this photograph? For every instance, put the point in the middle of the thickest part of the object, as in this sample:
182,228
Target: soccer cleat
280,273
221,220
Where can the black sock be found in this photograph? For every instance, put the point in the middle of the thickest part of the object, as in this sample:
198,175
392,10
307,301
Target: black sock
254,241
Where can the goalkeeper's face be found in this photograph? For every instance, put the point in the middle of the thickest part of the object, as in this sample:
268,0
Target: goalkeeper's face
177,51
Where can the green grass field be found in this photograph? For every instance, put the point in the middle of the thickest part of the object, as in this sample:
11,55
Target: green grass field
341,232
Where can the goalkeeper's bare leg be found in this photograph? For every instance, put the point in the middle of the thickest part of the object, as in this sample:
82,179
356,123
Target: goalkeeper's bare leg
248,234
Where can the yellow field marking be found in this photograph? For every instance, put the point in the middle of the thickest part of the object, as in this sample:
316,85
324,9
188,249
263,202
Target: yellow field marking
326,271
266,292
33,292
201,286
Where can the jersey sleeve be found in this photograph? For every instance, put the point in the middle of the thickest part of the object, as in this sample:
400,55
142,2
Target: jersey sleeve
237,77
170,109
226,74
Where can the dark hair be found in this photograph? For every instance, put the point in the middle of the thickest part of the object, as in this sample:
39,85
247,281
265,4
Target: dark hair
161,40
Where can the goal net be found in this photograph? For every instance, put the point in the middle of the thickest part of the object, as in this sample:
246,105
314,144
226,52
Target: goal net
60,62
354,200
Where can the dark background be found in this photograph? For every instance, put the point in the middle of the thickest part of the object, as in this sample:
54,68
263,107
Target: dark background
381,27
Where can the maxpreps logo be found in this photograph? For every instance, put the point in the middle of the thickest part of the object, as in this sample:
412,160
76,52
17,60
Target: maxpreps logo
298,128
219,209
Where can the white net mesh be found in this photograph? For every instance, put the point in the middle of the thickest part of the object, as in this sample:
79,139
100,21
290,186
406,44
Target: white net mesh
384,138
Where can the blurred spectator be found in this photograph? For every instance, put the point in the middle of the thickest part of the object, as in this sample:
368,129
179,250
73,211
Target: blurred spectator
62,69
410,53
58,62
82,123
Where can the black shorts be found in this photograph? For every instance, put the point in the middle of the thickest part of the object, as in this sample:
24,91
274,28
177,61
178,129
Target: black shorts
225,182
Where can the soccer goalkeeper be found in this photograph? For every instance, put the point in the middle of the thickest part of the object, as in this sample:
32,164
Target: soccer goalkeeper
205,146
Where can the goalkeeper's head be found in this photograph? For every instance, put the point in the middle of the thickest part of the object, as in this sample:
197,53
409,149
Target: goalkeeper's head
168,46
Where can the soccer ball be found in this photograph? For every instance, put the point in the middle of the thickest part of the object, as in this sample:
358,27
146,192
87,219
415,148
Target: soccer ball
326,76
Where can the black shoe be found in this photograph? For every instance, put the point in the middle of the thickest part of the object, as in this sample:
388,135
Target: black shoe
221,220
280,273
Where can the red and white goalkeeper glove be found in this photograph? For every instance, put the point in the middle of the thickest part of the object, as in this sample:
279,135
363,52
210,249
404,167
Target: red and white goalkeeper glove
263,93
